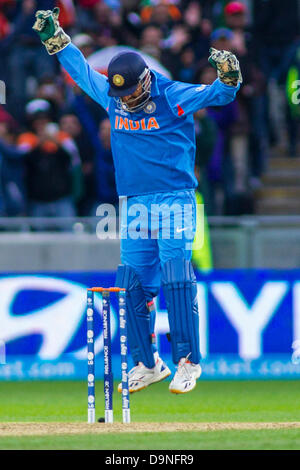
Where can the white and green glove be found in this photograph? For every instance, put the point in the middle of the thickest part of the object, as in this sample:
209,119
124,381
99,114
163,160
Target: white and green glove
227,66
48,28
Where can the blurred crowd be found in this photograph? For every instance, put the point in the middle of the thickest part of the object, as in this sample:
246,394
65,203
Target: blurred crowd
55,152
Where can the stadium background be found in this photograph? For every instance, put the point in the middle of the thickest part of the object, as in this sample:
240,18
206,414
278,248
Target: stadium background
247,164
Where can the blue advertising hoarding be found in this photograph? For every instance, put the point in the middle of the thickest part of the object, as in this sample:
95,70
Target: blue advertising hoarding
249,320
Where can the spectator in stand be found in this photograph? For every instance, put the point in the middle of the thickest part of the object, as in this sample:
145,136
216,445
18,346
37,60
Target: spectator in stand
70,124
5,117
101,21
84,15
236,19
52,162
219,169
12,187
130,5
102,178
251,130
109,25
187,65
101,172
151,41
4,26
67,13
221,38
5,29
276,27
199,28
87,3
173,45
163,13
7,19
235,14
104,171
52,90
26,57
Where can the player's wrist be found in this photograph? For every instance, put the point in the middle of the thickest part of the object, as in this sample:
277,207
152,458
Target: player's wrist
58,42
227,66
229,80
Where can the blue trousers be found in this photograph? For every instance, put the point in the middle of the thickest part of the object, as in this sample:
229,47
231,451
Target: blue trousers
155,228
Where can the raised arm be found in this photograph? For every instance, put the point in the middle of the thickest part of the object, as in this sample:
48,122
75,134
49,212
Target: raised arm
58,42
186,98
93,83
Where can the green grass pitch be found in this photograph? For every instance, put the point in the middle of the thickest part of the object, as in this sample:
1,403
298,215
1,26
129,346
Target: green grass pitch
211,402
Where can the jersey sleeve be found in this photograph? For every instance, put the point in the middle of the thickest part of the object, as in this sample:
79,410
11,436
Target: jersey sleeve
186,98
93,83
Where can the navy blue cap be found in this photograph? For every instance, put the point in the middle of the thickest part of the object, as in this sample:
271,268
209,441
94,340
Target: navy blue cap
124,71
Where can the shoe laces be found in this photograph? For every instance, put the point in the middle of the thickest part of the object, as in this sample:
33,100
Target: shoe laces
182,368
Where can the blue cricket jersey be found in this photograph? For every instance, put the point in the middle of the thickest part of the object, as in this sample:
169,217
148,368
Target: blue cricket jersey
153,149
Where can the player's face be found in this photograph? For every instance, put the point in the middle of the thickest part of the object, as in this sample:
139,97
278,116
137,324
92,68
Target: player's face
132,100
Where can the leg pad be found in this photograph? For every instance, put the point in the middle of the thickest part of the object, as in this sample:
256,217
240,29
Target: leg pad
180,291
138,316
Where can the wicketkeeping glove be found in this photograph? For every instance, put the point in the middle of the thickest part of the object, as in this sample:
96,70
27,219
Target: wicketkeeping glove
227,66
50,31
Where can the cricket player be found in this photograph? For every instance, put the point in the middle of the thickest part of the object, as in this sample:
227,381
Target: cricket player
153,145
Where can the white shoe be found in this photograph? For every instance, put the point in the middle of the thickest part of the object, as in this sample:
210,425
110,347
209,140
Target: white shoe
139,377
186,376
